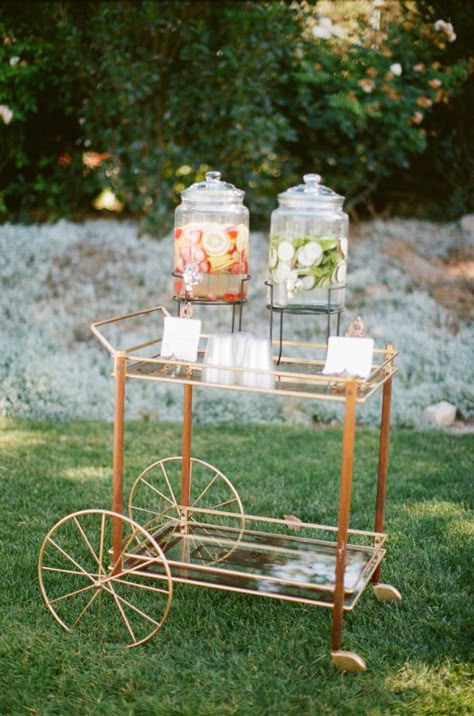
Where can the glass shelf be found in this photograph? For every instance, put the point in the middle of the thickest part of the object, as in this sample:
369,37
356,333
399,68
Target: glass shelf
264,556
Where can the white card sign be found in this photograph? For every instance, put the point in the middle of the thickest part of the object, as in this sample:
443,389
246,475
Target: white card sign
349,354
181,338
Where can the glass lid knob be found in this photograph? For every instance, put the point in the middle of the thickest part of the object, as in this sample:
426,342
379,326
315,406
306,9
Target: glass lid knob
213,176
312,182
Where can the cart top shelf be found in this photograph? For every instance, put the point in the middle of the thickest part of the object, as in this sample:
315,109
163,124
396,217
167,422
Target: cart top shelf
136,337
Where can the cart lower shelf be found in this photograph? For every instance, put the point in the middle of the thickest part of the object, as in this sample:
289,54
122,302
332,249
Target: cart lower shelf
277,563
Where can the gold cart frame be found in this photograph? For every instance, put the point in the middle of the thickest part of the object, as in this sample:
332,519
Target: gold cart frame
184,528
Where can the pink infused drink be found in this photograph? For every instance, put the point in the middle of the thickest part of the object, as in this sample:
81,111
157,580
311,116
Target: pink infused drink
211,242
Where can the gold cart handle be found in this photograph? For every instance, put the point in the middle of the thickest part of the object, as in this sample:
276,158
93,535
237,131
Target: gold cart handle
115,319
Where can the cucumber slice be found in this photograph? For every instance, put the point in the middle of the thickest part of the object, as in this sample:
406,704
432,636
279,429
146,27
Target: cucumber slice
302,259
308,282
314,252
285,251
273,257
339,275
281,272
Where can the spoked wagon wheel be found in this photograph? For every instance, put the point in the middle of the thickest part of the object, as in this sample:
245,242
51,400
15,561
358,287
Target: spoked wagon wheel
213,532
128,596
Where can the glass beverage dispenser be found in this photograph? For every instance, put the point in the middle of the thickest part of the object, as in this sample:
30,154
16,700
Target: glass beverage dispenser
308,247
211,242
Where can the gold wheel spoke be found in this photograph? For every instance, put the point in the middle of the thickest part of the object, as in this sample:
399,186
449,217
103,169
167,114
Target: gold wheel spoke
73,572
122,613
147,510
158,492
111,590
148,587
101,545
89,604
132,570
173,499
222,504
208,486
86,540
73,594
71,559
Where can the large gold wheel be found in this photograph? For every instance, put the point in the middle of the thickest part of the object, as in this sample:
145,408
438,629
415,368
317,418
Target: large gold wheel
126,592
213,522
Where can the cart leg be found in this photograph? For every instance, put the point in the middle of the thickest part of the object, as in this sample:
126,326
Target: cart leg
349,661
186,444
186,469
120,369
383,592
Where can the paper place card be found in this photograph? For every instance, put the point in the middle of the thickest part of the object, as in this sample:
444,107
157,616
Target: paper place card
181,338
350,355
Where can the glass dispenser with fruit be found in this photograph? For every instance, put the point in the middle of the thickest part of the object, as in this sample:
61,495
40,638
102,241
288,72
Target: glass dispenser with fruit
308,247
211,242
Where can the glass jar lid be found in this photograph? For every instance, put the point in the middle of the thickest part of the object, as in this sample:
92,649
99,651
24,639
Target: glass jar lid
311,194
212,188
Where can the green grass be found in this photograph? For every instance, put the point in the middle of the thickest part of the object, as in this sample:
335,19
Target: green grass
234,654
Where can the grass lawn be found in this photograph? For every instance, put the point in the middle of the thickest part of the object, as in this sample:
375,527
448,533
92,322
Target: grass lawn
224,653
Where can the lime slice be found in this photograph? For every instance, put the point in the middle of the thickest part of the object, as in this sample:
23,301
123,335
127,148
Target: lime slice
328,244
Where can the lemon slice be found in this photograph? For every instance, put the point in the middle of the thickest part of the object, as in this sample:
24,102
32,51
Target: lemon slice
216,242
242,238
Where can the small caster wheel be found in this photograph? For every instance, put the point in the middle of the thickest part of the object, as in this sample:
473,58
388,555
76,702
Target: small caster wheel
348,660
386,593
128,596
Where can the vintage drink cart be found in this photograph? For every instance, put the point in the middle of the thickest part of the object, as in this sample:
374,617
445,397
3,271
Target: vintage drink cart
186,522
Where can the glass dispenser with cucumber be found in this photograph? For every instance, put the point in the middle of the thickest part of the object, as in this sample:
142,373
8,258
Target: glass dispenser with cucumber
308,247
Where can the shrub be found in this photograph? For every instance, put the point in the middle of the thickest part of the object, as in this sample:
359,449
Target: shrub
368,104
150,95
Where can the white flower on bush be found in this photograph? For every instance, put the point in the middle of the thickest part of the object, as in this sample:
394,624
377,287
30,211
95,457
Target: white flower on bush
14,61
366,85
447,28
325,29
6,113
396,69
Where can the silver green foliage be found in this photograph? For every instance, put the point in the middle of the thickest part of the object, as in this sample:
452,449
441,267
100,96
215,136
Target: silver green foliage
58,278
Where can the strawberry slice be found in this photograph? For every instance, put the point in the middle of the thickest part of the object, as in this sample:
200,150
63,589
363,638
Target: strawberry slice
232,232
193,235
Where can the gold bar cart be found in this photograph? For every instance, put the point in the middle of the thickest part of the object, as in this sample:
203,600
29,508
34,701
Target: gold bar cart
186,522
